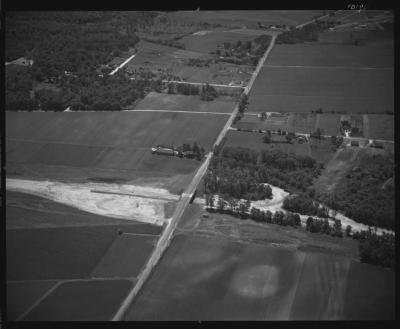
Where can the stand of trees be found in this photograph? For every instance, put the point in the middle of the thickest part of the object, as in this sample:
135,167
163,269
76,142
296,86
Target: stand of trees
361,194
377,249
242,172
208,93
78,43
243,210
315,225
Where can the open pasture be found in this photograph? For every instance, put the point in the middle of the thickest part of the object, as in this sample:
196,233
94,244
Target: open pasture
216,279
81,301
331,55
284,89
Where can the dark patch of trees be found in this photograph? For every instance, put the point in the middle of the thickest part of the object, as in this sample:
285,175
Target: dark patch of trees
376,249
315,225
208,93
243,210
360,193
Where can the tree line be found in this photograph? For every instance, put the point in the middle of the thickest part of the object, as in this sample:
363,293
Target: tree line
242,209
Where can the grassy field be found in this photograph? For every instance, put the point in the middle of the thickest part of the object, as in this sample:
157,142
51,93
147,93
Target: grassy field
58,253
156,101
216,279
81,301
125,257
21,295
254,141
334,89
208,42
104,144
331,55
156,57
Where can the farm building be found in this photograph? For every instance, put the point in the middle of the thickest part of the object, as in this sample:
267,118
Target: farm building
163,150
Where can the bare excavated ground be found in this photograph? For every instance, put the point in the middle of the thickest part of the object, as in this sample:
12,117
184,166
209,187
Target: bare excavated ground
145,204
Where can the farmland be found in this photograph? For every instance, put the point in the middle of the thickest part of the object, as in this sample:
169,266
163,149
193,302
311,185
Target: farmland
172,63
108,145
248,18
155,101
208,42
214,279
331,55
21,295
81,301
58,253
298,89
126,256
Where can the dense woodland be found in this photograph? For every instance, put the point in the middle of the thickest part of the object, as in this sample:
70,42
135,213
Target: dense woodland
363,195
68,49
377,249
241,172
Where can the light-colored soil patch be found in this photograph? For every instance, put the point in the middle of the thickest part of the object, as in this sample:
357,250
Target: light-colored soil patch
145,204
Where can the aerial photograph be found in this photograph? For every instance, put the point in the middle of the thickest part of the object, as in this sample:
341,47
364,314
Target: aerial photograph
199,165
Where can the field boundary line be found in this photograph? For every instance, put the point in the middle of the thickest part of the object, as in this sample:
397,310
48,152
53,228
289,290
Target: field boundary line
176,111
38,301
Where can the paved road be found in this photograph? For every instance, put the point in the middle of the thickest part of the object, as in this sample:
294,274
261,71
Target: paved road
166,236
164,240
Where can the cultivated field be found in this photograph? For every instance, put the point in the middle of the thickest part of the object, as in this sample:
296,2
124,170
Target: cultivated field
216,279
81,146
22,294
248,18
81,301
60,253
299,89
331,55
166,102
126,256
